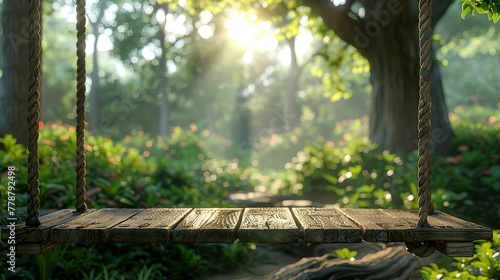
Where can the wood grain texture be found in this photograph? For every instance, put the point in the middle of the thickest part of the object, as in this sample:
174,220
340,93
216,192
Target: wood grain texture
254,224
149,226
380,225
449,228
456,249
41,233
207,225
33,249
92,228
326,225
268,225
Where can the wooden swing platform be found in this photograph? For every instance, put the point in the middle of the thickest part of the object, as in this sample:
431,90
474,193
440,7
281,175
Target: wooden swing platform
453,236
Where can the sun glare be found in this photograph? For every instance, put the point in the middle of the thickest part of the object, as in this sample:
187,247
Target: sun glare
250,34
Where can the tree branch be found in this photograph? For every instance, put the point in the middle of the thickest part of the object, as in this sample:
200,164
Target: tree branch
336,18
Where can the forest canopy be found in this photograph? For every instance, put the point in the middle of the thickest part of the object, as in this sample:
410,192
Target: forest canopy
251,70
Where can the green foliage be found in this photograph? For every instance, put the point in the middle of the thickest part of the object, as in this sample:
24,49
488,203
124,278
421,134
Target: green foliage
124,176
465,184
180,171
103,273
129,261
346,254
359,174
12,151
490,7
484,265
278,149
181,145
155,172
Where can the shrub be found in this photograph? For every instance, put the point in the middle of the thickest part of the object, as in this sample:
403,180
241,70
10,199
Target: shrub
277,149
484,265
466,184
360,174
123,176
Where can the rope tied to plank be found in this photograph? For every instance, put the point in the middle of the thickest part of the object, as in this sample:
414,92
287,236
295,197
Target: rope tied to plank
80,107
33,219
424,249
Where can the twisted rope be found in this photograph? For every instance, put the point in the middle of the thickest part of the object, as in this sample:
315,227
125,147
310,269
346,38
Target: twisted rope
424,114
34,114
423,249
80,109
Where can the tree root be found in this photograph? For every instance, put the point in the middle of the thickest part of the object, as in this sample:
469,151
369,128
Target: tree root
388,263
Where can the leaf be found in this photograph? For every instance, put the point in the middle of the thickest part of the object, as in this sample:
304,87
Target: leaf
464,12
332,179
346,254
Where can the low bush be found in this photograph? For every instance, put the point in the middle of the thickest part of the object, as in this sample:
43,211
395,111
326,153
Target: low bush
465,184
181,171
360,174
484,265
131,177
277,149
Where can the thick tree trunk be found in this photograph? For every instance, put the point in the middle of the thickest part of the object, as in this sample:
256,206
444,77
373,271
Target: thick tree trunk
387,36
392,50
14,81
441,128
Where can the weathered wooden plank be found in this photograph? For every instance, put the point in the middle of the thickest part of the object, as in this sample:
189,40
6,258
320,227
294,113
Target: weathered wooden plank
41,233
443,227
380,225
268,225
33,249
264,225
456,249
149,226
449,228
392,225
92,228
207,225
326,225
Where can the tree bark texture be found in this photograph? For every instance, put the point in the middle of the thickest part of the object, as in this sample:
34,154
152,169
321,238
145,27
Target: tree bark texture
14,81
391,38
390,262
